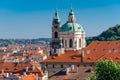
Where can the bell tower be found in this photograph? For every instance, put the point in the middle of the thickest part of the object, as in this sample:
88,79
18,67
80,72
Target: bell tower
55,31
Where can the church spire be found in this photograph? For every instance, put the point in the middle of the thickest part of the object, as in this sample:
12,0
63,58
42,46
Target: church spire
56,19
71,17
71,12
56,13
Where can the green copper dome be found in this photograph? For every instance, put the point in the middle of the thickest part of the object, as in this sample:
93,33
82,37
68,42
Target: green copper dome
71,27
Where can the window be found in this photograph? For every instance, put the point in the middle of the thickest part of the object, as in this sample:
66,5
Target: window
61,66
70,43
78,65
56,27
91,65
70,28
53,66
79,42
65,43
56,34
62,42
84,65
46,65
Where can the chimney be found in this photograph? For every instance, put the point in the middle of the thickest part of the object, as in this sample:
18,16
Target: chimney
7,75
36,76
67,70
26,69
20,78
24,73
82,56
72,67
58,52
62,50
52,52
10,73
77,69
2,71
33,68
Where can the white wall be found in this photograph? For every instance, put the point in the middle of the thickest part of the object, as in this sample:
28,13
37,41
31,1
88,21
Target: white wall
75,36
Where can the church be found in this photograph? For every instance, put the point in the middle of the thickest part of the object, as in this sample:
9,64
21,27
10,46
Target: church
71,33
69,51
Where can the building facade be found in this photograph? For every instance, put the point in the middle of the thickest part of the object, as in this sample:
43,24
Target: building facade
55,31
72,33
70,37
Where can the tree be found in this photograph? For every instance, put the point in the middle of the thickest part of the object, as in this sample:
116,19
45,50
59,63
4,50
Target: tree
111,34
93,77
106,70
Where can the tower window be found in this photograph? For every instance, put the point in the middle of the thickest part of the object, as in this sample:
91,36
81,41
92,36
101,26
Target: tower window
79,42
56,27
70,43
56,34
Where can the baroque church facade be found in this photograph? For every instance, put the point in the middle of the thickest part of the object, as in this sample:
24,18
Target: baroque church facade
68,42
71,34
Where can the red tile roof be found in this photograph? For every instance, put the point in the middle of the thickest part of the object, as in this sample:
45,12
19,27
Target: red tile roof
29,77
19,68
97,50
68,56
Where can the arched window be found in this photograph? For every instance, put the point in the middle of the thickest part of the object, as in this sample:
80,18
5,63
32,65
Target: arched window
62,42
56,34
65,43
70,43
79,42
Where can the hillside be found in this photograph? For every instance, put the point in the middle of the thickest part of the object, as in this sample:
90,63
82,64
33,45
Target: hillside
111,34
6,42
